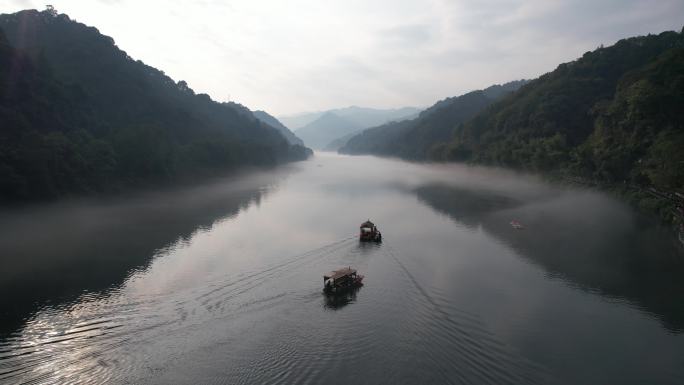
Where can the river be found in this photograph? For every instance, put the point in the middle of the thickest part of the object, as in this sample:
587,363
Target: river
221,283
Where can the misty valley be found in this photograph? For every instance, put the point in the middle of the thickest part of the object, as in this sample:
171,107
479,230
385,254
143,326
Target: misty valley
529,231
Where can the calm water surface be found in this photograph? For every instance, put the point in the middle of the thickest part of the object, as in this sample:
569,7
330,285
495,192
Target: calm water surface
221,283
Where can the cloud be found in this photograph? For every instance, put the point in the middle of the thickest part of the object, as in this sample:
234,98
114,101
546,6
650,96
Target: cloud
406,35
285,57
22,4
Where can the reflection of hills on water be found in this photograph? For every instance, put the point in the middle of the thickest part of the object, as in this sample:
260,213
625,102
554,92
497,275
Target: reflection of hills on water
582,237
466,206
340,299
53,255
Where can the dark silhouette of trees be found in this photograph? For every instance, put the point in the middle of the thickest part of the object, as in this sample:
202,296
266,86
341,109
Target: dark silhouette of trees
614,115
77,115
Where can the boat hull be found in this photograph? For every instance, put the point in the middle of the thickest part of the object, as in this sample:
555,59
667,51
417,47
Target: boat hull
370,238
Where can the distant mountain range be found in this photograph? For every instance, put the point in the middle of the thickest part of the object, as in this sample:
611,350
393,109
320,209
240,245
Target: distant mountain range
325,128
414,138
319,129
79,115
361,116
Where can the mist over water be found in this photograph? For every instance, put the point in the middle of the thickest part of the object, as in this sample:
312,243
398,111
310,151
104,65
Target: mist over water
221,283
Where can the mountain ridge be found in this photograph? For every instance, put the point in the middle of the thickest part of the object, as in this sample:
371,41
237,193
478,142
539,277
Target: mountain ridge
84,117
413,139
362,116
275,123
324,129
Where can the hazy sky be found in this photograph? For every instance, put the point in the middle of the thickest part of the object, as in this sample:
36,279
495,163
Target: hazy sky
287,56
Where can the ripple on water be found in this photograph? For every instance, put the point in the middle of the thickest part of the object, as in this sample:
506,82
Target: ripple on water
70,343
457,346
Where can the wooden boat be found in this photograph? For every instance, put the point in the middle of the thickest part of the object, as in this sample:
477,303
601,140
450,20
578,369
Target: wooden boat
344,278
369,232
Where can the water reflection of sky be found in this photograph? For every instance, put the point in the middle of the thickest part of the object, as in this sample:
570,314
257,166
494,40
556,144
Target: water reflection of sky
224,281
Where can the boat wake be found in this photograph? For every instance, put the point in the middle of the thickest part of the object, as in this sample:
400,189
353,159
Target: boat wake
74,343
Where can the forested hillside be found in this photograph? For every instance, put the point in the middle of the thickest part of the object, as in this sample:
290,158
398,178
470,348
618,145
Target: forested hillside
275,123
77,114
614,115
416,139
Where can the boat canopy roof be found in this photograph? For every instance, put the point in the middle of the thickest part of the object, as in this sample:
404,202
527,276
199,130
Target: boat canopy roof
367,224
335,274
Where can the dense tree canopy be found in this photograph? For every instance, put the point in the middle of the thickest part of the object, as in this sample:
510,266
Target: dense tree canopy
77,114
613,115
